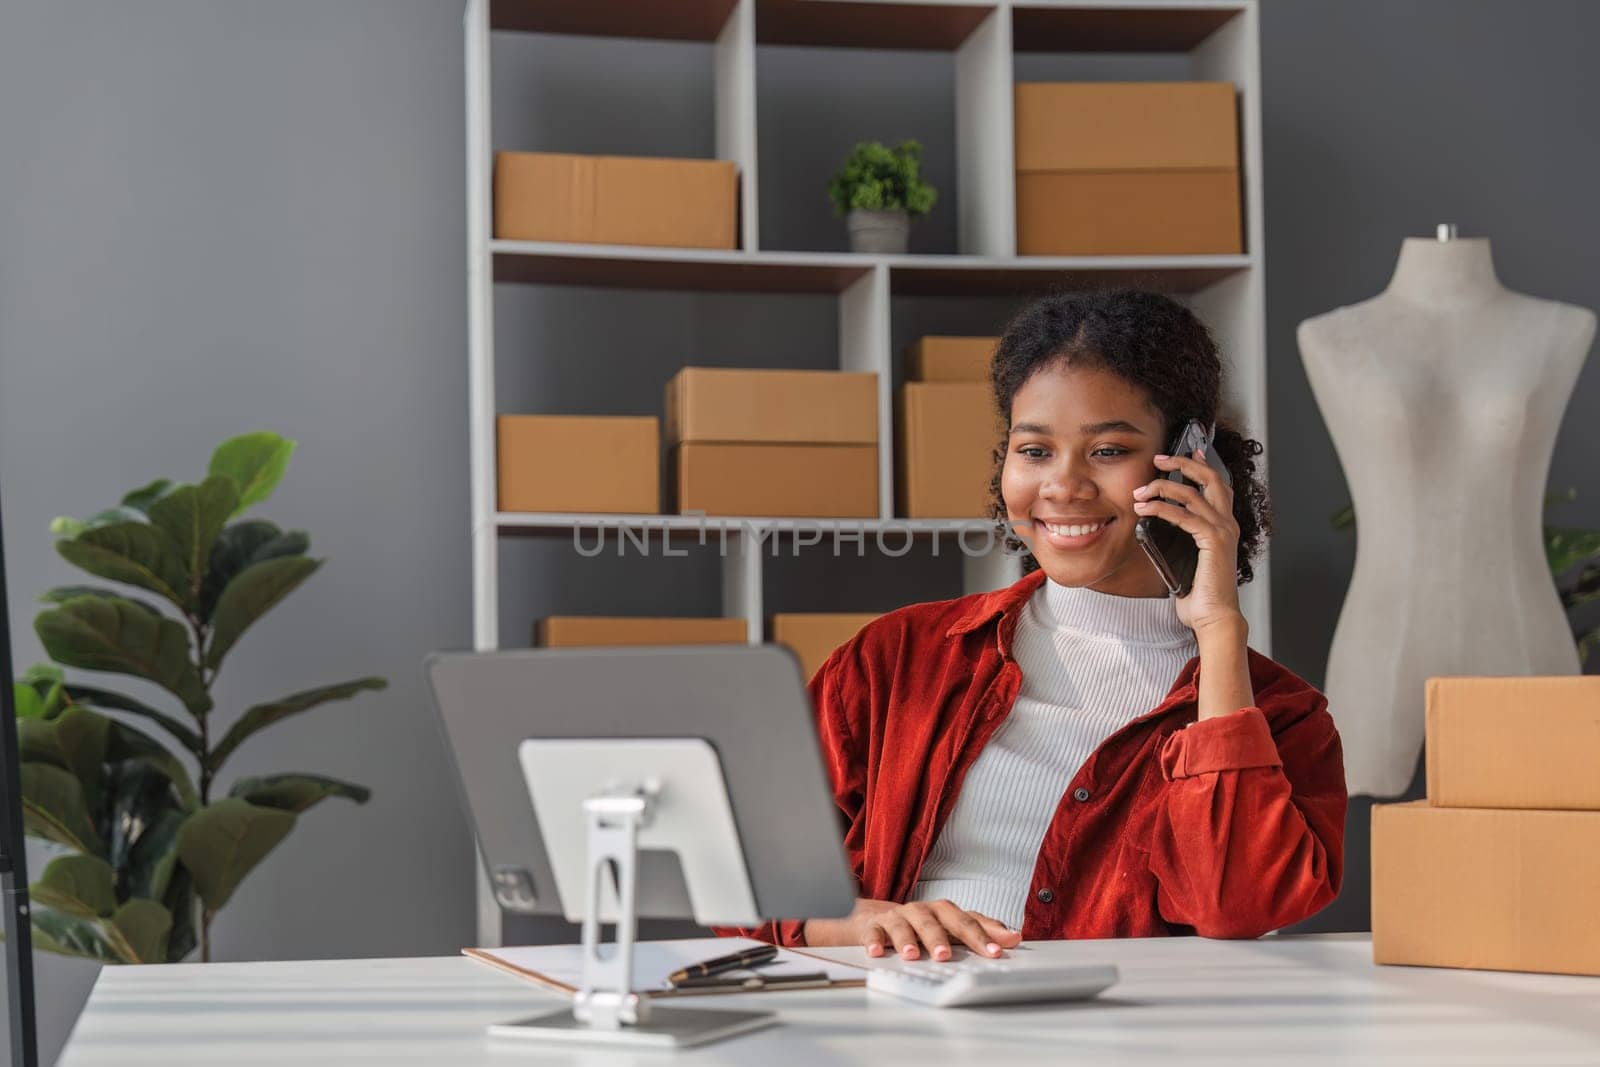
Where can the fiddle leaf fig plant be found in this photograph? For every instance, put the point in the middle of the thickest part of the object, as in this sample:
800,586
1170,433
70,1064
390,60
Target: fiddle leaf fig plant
126,792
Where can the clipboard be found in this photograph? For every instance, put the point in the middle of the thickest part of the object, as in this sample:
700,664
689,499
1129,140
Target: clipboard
559,967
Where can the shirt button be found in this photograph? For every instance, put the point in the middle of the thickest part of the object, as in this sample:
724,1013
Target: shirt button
1080,794
1046,895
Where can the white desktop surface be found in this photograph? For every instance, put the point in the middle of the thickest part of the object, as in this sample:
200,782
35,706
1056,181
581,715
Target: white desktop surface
1314,999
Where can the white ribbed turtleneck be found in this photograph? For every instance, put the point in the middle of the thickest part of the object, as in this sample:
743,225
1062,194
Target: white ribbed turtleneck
1091,663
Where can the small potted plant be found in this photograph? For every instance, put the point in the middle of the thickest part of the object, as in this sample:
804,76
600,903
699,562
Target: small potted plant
878,191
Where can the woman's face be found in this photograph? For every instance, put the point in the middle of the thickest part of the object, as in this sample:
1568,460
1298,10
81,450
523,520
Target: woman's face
1082,440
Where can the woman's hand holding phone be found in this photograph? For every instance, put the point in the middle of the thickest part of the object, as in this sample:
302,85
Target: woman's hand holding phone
913,930
1204,511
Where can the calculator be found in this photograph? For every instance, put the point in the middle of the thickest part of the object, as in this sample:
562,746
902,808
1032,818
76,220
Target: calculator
974,982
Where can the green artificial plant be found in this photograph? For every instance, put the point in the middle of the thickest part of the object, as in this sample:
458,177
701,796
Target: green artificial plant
1574,559
875,177
148,852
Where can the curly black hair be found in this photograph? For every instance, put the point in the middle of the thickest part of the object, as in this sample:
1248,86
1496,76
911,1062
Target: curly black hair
1150,341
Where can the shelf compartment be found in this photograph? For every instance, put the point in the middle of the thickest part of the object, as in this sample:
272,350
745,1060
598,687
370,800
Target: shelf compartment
939,27
1080,27
679,20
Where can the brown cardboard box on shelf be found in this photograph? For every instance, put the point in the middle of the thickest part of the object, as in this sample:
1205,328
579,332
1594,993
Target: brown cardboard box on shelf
585,463
1127,168
620,200
948,433
813,635
831,481
1514,742
950,359
1485,888
706,404
576,631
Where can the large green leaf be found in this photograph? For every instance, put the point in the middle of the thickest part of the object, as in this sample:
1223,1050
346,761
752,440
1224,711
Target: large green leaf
106,635
53,808
36,743
63,593
255,462
47,681
249,596
240,545
146,495
140,928
296,792
77,885
179,901
70,935
81,737
105,698
26,702
263,715
155,856
136,553
222,842
67,526
193,515
124,742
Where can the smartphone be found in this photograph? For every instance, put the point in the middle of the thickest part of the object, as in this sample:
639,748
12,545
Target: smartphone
1171,551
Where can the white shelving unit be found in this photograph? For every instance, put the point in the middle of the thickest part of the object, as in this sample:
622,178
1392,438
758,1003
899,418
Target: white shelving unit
1221,39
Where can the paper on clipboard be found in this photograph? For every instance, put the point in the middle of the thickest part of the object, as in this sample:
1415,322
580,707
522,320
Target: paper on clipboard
560,967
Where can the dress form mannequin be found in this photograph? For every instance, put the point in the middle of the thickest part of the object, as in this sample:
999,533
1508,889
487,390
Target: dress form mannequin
1443,395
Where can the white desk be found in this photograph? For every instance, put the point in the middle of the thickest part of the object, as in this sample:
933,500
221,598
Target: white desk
1181,1002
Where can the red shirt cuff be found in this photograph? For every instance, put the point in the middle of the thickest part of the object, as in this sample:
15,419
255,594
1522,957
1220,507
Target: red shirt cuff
1233,742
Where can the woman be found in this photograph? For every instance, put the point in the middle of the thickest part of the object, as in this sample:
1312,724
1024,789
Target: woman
997,757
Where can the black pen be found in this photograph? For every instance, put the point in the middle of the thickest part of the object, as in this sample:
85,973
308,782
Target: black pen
706,968
754,983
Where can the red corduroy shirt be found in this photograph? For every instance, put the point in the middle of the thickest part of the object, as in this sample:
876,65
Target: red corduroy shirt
1229,827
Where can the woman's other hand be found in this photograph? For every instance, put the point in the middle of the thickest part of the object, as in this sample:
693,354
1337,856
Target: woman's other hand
912,930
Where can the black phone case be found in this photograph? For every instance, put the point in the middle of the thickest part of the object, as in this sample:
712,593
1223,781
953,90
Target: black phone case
1172,551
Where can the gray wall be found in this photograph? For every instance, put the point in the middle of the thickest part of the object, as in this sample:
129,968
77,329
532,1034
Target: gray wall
222,216
1382,119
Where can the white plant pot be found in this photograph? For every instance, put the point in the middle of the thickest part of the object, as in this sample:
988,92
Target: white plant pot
881,232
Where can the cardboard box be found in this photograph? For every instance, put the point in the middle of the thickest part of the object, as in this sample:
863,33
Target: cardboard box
948,434
1514,742
585,463
814,635
577,631
1128,213
1083,126
1127,168
833,481
621,200
950,359
1486,889
705,404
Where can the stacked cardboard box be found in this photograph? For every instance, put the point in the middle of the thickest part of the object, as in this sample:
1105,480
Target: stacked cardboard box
578,631
813,636
615,200
948,429
1500,867
579,463
774,442
1127,168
